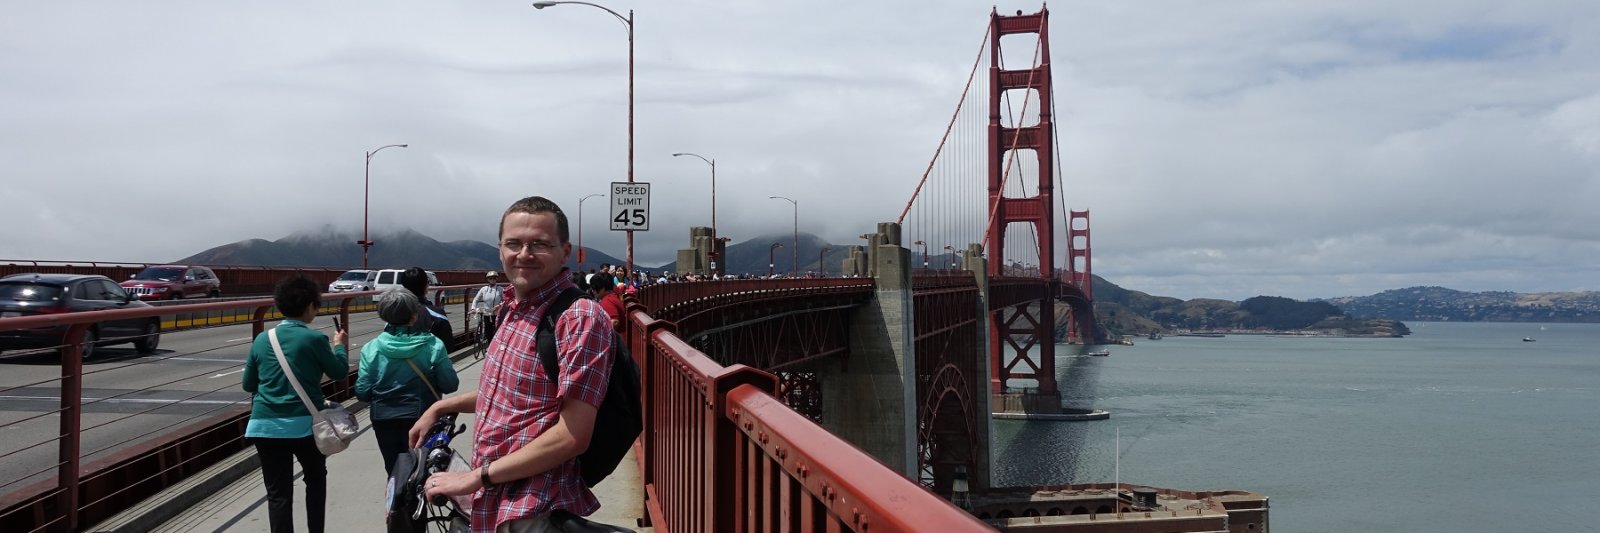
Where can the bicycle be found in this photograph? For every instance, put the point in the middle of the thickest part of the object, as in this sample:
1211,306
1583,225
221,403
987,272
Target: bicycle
409,512
483,332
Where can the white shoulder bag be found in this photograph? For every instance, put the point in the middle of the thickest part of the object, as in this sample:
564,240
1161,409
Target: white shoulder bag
334,427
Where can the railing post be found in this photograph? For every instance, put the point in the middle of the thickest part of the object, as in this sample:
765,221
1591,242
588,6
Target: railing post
725,461
71,423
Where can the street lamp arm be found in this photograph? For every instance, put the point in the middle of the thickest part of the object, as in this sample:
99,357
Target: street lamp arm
626,21
702,158
380,149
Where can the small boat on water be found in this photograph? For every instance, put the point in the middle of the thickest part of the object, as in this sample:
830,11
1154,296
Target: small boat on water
1099,353
1155,335
1529,339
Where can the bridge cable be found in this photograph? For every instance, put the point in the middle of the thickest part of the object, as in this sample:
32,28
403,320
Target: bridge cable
970,76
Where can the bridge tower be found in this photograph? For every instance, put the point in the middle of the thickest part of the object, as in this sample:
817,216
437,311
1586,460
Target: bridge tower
1018,329
1080,274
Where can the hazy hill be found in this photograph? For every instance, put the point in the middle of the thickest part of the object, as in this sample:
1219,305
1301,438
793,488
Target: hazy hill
329,248
1128,312
1442,304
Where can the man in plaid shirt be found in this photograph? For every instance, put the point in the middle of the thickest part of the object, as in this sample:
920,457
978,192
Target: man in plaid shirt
530,430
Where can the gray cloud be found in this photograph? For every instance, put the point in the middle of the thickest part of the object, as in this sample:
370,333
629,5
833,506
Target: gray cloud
1225,149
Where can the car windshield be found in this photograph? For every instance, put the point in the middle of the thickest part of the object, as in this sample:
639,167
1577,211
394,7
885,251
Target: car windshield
162,274
29,292
353,275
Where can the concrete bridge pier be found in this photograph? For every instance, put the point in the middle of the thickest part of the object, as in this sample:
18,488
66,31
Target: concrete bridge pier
868,398
982,478
704,254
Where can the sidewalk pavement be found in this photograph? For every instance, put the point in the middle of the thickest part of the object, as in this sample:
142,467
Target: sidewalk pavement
356,488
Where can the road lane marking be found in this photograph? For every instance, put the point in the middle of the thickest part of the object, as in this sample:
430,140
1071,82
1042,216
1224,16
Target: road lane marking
227,373
130,400
234,361
239,339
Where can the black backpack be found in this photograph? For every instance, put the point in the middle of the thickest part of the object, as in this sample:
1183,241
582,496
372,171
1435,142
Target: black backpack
619,421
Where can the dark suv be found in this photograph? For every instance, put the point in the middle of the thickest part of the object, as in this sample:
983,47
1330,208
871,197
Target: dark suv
174,282
38,294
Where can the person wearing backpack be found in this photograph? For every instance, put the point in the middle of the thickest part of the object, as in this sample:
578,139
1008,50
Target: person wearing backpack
532,429
402,372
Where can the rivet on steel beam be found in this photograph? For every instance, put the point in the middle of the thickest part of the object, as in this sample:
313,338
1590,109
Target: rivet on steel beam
855,515
763,437
802,471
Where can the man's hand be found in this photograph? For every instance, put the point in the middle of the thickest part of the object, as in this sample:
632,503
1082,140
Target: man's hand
419,430
341,338
452,484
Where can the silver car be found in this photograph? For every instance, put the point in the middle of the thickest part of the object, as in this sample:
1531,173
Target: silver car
354,280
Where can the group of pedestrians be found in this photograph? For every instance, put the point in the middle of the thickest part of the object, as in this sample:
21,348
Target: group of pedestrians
529,428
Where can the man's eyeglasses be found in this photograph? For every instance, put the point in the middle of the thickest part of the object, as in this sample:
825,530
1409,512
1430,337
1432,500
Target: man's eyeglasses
535,247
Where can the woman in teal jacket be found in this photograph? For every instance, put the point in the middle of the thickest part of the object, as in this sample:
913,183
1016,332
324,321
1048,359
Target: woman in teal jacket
403,371
280,425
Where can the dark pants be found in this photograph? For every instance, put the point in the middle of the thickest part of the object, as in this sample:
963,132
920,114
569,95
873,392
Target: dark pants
392,436
277,469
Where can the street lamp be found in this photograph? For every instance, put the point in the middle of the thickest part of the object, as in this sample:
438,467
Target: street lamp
628,23
952,256
366,193
795,253
822,258
713,163
581,254
924,254
770,262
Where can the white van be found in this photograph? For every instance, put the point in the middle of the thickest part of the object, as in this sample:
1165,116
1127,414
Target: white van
390,277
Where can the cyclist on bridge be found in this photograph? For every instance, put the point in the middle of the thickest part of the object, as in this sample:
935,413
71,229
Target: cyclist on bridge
486,305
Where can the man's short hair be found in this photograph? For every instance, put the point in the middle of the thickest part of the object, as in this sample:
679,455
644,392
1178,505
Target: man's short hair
295,293
415,279
602,282
398,306
534,205
581,280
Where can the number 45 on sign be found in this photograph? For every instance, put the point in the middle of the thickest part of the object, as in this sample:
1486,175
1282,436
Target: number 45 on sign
630,206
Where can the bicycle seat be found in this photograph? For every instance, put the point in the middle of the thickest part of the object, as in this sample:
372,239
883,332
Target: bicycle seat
570,523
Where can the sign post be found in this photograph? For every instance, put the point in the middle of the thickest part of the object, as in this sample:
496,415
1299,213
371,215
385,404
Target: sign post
630,206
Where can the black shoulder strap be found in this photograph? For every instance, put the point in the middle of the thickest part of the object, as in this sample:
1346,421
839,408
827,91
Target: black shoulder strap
547,330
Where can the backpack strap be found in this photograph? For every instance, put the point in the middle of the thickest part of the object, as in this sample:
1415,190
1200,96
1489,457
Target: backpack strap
547,331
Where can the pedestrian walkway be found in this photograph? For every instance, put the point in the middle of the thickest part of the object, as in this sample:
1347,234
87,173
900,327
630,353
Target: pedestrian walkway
356,489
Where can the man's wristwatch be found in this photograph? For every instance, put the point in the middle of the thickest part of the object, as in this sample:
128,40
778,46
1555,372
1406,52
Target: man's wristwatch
483,476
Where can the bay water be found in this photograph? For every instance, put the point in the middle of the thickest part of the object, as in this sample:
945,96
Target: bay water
1458,427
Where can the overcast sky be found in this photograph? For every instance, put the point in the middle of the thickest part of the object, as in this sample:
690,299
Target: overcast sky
1225,148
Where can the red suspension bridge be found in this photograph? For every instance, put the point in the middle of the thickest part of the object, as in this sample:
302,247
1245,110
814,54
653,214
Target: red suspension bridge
849,404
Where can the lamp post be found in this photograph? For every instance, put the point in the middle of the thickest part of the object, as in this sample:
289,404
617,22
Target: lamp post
713,163
581,254
952,256
924,254
795,253
628,23
366,195
770,262
822,265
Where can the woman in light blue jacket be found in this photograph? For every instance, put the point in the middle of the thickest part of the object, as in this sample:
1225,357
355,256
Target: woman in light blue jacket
402,372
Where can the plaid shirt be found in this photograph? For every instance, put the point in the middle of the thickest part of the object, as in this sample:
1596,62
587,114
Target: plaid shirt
517,402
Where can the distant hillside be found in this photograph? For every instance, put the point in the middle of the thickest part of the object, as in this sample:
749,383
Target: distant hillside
329,248
1442,304
1127,312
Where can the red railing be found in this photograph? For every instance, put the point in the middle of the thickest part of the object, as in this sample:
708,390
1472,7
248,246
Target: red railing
93,482
722,453
236,280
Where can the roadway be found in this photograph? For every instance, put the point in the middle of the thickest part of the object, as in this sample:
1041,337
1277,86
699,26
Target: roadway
129,397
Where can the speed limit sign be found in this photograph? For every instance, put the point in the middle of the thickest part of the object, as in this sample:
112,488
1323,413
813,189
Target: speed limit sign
630,206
